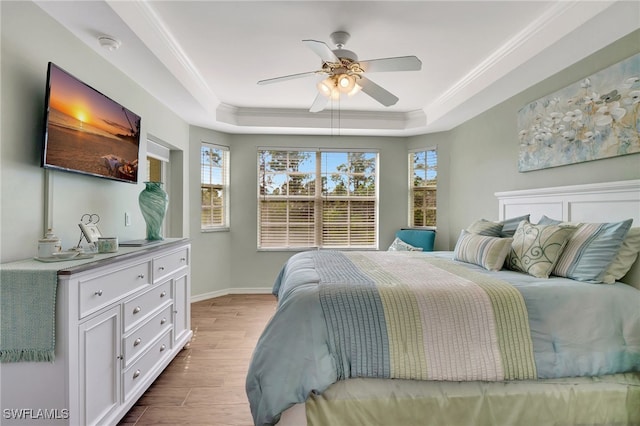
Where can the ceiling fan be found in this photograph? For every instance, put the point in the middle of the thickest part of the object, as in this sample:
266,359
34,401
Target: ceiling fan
345,73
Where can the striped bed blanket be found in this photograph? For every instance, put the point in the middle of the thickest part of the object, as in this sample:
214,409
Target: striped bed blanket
428,318
384,321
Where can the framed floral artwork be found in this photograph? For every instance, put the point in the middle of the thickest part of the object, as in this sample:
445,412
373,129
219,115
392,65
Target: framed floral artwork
597,117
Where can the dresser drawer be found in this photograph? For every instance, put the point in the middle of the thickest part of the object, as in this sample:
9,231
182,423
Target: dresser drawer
98,291
170,263
140,338
137,373
143,305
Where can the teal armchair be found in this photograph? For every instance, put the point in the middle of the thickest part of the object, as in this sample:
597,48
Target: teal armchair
424,238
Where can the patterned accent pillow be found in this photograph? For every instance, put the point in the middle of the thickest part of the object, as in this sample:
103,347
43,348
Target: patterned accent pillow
591,249
488,252
399,245
485,227
536,248
510,225
625,258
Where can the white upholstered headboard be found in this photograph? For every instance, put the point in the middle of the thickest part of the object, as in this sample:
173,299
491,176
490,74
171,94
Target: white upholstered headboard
599,202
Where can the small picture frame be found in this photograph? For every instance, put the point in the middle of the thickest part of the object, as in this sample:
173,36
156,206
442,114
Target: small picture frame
90,232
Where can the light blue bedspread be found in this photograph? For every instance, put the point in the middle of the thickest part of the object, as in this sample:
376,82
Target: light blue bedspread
577,329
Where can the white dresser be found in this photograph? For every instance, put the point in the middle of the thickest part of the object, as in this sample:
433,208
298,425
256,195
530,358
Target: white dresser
120,320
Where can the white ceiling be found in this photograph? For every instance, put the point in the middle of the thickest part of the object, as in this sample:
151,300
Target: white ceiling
203,58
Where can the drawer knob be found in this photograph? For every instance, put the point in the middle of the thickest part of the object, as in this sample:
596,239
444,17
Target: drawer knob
119,357
162,321
136,309
183,259
137,341
98,293
161,268
136,374
162,348
141,276
163,294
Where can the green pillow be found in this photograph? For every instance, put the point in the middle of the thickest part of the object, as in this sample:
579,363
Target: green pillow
536,248
488,252
485,227
510,225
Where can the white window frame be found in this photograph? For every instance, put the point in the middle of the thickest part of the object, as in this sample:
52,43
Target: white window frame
318,199
224,187
411,188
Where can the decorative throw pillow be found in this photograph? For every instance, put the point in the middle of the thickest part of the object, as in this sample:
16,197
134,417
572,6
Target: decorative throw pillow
510,225
623,261
399,245
591,249
485,227
488,252
536,248
545,220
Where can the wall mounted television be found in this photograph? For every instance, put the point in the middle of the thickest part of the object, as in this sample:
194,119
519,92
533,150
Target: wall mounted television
87,132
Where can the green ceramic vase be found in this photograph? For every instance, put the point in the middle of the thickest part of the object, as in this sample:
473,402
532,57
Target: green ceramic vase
153,202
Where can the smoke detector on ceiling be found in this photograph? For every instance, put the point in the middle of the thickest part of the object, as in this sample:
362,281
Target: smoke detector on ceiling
109,42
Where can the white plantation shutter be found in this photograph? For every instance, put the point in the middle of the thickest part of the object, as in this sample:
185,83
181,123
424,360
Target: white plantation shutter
317,199
349,223
214,160
423,175
286,223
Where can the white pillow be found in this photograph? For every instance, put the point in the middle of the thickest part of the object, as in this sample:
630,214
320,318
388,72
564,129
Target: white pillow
623,261
399,245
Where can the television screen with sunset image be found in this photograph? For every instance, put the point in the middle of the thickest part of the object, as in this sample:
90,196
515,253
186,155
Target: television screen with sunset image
87,132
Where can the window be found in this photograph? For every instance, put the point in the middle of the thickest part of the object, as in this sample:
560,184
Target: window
325,199
214,160
423,175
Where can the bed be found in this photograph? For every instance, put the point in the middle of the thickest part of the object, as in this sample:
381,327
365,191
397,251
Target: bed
456,338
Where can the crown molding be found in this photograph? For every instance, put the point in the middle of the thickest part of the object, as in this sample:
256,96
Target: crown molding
327,119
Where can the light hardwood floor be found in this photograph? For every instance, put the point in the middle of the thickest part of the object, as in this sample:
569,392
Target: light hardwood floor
204,384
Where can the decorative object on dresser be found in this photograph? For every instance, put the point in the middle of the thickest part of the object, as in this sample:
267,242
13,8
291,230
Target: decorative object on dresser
89,230
49,244
591,119
119,321
153,205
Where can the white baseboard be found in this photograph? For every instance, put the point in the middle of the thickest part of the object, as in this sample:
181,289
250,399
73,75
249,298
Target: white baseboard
219,293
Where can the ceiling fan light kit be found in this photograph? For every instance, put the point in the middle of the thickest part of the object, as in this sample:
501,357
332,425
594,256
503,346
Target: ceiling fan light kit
346,74
335,85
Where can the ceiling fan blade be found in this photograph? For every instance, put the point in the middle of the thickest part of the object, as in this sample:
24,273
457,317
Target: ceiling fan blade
381,95
287,77
319,103
321,49
400,63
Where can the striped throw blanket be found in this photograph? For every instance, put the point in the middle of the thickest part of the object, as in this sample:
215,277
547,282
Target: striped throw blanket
388,319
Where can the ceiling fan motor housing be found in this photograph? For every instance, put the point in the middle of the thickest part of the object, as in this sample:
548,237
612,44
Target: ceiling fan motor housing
340,38
348,54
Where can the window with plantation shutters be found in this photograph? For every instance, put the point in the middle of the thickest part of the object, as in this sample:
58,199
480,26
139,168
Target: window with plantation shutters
214,160
423,175
323,199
